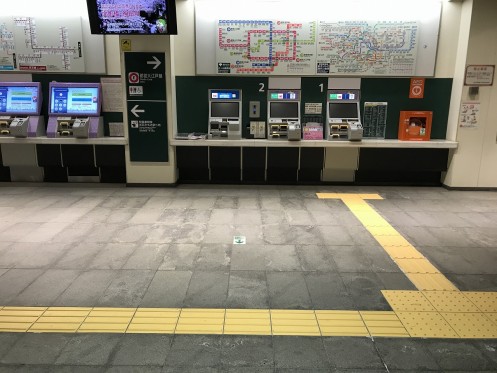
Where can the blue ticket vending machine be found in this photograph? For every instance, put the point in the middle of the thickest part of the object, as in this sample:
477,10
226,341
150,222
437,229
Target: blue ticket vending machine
283,118
343,115
20,105
225,114
74,110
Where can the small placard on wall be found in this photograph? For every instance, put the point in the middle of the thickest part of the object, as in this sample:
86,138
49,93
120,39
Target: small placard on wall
478,75
313,108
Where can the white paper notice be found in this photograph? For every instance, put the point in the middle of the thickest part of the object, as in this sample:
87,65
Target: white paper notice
469,117
112,95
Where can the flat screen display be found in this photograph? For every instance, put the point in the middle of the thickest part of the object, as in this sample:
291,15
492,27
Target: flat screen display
75,99
225,109
284,109
343,110
20,99
147,17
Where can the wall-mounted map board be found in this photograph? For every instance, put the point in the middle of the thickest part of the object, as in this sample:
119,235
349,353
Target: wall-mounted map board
43,44
276,38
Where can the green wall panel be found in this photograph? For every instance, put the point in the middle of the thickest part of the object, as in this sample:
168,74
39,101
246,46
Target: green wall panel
193,110
395,91
192,101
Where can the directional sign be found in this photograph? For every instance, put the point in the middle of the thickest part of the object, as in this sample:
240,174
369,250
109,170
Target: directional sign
146,105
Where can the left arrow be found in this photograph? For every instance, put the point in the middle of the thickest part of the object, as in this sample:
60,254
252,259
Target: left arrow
155,62
135,111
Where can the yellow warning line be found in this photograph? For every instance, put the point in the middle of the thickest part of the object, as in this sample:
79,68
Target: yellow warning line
436,310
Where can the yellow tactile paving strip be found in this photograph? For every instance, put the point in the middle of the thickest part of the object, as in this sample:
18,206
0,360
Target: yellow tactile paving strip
437,310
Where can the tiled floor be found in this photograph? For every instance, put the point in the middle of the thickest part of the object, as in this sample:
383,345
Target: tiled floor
90,246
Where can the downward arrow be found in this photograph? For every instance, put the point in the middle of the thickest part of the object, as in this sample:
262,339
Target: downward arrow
156,62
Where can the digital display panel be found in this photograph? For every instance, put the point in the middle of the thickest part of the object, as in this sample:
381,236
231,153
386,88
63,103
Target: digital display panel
225,95
20,99
284,109
342,96
343,110
148,17
75,99
225,109
283,96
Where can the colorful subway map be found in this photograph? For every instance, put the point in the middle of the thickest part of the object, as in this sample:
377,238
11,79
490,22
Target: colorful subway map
277,47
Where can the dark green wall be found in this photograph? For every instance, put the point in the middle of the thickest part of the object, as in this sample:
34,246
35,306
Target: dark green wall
193,111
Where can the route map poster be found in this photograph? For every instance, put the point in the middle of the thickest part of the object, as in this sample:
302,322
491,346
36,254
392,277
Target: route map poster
282,47
41,44
367,48
266,47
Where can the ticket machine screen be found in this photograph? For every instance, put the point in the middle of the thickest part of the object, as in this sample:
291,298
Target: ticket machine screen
75,100
19,99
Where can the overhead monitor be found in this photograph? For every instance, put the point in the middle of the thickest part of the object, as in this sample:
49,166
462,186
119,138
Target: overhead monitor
220,109
283,109
145,17
75,99
346,110
20,98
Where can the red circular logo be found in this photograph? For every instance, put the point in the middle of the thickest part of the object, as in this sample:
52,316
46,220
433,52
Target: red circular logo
134,78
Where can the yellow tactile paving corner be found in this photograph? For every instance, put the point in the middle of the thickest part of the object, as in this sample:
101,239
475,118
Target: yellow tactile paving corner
471,325
450,301
426,325
485,301
407,300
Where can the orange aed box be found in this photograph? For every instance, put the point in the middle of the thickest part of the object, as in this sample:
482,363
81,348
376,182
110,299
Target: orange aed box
415,125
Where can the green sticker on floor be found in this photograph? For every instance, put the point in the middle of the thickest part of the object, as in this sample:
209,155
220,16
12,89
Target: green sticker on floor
239,240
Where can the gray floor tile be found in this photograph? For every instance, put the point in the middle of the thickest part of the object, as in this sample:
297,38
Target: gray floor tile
243,351
172,216
46,288
249,203
489,349
180,257
88,349
113,256
288,290
31,255
327,291
115,202
272,217
222,217
79,256
126,289
405,354
133,369
459,355
335,235
15,281
365,289
190,233
315,258
147,256
214,257
7,341
203,203
226,202
350,258
167,289
352,353
265,257
102,233
194,352
36,349
247,289
300,353
195,369
474,282
131,233
247,217
207,289
395,281
86,289
142,349
222,234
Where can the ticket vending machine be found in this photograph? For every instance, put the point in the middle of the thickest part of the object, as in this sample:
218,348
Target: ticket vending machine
20,105
74,110
284,115
225,114
343,115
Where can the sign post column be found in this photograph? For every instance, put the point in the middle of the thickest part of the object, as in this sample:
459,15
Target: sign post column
146,106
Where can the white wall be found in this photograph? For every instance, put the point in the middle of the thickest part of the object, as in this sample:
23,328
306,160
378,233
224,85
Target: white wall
474,162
